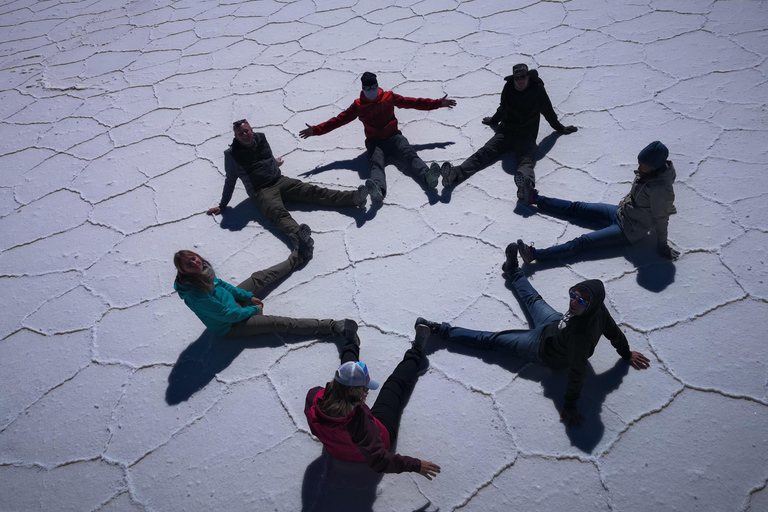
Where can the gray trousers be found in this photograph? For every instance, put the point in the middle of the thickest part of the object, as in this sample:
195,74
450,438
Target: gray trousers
262,324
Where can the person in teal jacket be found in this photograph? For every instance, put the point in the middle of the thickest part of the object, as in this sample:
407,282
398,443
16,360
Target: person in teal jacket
235,311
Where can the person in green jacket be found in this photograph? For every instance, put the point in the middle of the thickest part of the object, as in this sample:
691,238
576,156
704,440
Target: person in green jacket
235,311
556,340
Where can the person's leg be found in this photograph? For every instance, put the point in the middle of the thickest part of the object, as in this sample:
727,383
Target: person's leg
402,148
606,237
263,324
262,278
269,200
296,190
522,344
388,407
602,213
540,312
350,352
377,160
483,156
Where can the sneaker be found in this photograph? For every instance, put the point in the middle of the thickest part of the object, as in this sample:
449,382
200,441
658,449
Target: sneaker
362,196
434,327
306,244
377,197
525,190
527,252
511,263
422,334
430,177
345,329
449,173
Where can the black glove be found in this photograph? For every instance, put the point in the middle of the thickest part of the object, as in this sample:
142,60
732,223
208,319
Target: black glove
569,129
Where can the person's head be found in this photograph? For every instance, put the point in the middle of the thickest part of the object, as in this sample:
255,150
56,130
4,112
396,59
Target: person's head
579,298
243,132
520,76
189,270
370,85
348,388
652,157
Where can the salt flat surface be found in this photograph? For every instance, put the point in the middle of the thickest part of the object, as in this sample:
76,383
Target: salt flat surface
113,119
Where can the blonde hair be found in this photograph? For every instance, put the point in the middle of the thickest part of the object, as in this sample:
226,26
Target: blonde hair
200,280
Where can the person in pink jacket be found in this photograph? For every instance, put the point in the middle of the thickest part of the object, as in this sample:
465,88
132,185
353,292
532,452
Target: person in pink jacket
349,430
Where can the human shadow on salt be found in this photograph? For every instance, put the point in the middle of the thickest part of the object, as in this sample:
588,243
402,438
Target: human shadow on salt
654,273
361,165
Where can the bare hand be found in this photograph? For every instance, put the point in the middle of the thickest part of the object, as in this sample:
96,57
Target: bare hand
429,469
445,102
570,129
638,361
279,161
488,121
214,211
665,251
571,417
307,132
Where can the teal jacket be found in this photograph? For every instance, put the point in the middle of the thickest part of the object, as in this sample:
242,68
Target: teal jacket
217,309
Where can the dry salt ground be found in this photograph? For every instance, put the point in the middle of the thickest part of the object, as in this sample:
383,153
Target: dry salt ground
113,119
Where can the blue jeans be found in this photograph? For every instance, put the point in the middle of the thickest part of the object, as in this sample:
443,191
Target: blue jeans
605,214
523,344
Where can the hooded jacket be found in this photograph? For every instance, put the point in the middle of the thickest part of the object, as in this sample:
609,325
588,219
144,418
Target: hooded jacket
519,111
356,437
217,309
648,204
573,345
377,115
256,160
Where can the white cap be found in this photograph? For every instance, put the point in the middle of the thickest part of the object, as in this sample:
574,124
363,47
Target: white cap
355,373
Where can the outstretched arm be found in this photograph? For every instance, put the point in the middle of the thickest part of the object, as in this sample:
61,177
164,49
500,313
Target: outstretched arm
447,102
638,361
343,118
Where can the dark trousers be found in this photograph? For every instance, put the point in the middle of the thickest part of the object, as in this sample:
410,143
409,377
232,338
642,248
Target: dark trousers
396,146
523,147
270,200
262,324
389,405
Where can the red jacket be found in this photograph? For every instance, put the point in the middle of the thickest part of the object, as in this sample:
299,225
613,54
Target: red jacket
377,115
357,437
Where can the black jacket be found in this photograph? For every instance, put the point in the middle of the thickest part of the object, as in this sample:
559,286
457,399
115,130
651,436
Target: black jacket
519,111
257,161
573,345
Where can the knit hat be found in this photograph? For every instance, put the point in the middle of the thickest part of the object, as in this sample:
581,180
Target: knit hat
519,70
654,155
355,373
368,79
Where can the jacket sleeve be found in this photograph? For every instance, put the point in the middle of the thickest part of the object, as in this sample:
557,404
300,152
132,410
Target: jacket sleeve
238,293
208,306
416,103
365,434
577,366
230,169
345,117
615,335
549,113
661,204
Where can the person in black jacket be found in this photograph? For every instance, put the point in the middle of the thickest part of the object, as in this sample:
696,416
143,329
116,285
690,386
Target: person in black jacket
250,158
523,101
558,341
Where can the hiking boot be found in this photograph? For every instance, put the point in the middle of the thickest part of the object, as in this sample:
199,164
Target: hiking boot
430,177
434,327
527,252
449,173
345,329
377,197
525,190
422,334
511,263
361,199
306,244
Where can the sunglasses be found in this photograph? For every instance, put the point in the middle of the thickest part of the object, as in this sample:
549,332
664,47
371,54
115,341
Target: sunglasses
370,87
579,300
237,124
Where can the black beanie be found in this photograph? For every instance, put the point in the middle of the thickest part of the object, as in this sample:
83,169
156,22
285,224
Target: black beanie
368,79
654,155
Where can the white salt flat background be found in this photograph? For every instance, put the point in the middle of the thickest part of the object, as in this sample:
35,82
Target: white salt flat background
113,119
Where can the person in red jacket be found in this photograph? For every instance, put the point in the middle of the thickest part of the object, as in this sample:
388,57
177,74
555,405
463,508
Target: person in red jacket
376,109
349,430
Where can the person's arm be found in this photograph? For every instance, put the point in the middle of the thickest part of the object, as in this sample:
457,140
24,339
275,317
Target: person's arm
619,341
208,306
343,118
577,366
239,294
230,179
421,103
661,206
549,114
365,434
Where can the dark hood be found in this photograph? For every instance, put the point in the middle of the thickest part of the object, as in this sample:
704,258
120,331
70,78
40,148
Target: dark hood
532,74
596,291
